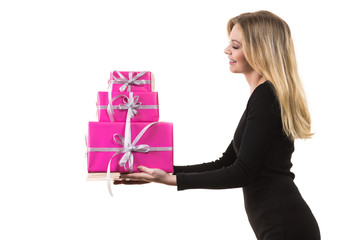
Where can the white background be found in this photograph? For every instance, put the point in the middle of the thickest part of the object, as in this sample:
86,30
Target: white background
56,55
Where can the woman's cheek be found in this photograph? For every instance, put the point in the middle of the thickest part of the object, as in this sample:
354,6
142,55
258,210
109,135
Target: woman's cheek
239,56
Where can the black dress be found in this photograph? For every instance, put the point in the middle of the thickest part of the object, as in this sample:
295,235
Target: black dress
258,159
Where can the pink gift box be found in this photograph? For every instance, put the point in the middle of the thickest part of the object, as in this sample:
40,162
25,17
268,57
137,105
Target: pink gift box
146,111
102,147
131,81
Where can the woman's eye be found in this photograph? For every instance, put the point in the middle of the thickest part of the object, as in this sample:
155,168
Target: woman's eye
235,47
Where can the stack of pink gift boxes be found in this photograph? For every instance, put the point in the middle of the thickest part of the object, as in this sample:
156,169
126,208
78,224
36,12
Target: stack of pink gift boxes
128,133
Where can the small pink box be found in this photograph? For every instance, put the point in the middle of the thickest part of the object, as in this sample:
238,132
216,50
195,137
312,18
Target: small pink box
131,81
146,109
102,147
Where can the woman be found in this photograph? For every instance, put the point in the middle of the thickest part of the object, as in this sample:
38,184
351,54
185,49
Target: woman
258,157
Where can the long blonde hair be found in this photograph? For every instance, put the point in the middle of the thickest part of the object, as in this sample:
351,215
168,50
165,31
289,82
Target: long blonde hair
269,50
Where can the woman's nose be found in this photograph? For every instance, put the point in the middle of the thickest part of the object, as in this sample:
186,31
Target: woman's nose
226,50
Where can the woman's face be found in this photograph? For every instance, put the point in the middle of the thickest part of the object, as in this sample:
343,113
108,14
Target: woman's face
234,50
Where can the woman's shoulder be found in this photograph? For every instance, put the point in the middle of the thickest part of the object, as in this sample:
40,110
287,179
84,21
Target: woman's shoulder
264,97
264,91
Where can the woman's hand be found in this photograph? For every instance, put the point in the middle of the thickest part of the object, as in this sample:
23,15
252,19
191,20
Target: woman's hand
147,175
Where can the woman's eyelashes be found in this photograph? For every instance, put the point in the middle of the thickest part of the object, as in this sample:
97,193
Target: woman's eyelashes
235,44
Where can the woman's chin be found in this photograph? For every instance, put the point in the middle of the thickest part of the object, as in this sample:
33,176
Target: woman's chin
234,70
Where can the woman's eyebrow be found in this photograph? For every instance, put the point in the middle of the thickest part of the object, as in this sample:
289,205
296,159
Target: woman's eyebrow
233,40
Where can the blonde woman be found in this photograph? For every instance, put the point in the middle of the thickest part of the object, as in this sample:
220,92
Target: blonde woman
258,159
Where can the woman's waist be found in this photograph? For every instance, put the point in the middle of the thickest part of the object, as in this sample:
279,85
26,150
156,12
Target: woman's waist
271,185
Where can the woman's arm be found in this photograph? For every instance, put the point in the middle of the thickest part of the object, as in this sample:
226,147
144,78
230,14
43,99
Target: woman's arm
157,175
255,145
227,159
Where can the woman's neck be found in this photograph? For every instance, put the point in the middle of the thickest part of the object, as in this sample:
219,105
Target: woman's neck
254,79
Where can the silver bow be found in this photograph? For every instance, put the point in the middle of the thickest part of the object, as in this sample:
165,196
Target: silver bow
128,82
131,103
128,149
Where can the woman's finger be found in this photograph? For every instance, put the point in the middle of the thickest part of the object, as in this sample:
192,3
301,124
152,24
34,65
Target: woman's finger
146,170
136,176
116,182
129,175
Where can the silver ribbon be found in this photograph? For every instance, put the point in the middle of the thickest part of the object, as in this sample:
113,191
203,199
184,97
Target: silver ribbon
128,82
128,149
130,103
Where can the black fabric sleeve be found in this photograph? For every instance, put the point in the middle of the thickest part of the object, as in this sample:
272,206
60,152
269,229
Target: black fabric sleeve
255,144
227,159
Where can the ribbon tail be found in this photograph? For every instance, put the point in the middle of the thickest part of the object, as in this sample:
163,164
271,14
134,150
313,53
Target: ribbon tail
142,132
108,176
87,148
130,113
110,112
122,88
131,110
124,159
108,179
131,163
127,135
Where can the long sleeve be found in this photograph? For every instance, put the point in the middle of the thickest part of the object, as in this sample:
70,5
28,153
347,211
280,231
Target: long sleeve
256,141
225,160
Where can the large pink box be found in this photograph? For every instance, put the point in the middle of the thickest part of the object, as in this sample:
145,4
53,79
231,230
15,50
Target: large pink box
102,147
131,81
146,109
